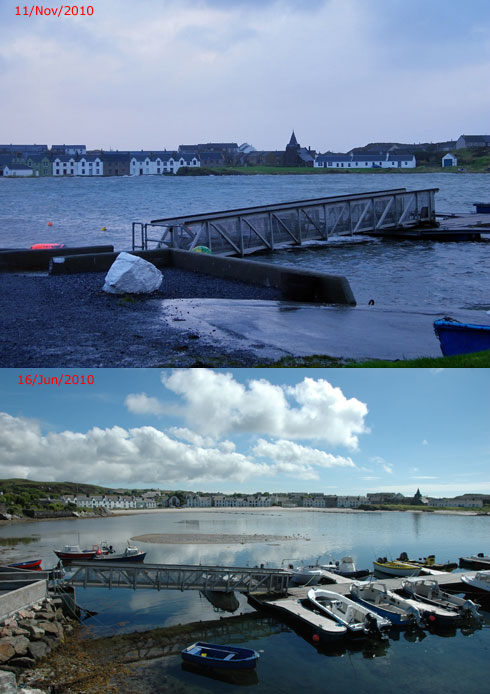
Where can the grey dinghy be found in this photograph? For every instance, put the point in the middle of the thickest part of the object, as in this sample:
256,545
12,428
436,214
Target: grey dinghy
403,612
427,590
359,620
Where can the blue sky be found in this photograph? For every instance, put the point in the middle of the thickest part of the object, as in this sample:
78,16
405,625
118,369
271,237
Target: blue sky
158,73
339,431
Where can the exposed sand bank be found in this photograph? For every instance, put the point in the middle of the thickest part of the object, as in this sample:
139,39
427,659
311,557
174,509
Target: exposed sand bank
206,538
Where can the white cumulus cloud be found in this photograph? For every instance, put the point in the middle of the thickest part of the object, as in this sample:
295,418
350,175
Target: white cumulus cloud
216,403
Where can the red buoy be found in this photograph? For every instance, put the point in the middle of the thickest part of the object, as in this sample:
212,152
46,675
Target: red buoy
50,224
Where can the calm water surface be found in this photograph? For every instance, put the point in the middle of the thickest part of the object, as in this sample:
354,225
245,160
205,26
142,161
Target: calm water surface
422,274
429,662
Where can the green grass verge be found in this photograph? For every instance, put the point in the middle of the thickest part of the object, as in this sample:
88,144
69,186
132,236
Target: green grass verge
476,360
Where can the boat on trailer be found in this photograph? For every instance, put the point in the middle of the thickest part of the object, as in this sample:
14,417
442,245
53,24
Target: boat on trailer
359,620
461,338
211,655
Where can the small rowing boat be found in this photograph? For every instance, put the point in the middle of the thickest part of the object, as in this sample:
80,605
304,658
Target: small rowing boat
33,565
222,657
461,338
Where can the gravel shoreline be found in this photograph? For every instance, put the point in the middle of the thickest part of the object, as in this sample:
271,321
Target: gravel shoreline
68,321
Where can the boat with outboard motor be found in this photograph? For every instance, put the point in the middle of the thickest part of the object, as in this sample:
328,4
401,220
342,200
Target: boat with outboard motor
305,575
379,598
480,581
428,562
395,568
376,597
475,561
429,591
358,620
346,567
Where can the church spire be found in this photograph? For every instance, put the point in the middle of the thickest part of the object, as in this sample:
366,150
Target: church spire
293,142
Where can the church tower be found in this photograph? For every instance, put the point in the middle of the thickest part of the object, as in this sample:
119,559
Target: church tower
291,157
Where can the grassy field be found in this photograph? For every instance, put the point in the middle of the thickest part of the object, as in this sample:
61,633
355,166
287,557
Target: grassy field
471,160
476,360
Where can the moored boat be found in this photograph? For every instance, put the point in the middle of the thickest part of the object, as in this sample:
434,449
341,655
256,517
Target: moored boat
73,552
461,338
376,597
429,591
131,554
428,562
222,657
379,597
480,581
346,568
305,575
358,619
32,565
475,561
395,568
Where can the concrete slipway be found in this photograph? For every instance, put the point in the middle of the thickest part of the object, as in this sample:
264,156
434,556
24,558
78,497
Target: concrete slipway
273,329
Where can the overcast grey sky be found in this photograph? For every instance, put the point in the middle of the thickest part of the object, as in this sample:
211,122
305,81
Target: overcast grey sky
158,73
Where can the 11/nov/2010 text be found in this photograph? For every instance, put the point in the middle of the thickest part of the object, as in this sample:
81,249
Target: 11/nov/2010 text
62,11
64,379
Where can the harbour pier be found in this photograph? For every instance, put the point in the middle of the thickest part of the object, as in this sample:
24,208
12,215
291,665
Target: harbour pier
267,227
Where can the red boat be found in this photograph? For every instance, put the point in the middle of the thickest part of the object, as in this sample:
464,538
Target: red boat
33,565
72,552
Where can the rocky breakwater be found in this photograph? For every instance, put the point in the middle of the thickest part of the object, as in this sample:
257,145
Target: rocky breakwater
29,635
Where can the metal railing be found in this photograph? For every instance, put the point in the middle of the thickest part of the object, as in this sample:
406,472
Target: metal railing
178,577
266,227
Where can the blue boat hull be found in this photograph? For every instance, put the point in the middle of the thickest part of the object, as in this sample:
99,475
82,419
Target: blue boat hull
395,618
461,338
211,655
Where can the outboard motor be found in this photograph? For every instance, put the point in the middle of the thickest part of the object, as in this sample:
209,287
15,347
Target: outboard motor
371,625
470,609
415,617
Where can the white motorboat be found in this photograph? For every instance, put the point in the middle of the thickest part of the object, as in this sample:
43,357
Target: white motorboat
429,591
377,595
359,620
305,575
480,580
346,567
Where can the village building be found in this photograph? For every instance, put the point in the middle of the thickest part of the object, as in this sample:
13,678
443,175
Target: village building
155,163
365,161
14,170
64,165
350,501
449,160
470,141
115,163
89,165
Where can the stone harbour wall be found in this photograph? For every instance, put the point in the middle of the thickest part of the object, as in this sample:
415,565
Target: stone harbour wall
29,635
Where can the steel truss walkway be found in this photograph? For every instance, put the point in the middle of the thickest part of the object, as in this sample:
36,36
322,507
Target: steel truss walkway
176,577
266,227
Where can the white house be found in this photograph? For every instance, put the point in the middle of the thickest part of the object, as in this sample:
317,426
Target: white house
196,501
449,160
89,165
350,501
64,165
17,170
386,160
155,163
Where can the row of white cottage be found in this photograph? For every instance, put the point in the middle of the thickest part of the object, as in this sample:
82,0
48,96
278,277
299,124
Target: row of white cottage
109,501
199,501
139,164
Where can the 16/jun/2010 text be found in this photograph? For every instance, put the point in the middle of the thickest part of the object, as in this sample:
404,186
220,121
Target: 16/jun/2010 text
64,379
61,11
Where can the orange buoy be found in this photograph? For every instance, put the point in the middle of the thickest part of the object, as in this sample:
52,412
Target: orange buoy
50,224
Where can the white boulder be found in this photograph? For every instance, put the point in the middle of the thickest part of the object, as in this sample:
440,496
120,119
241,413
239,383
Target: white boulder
130,274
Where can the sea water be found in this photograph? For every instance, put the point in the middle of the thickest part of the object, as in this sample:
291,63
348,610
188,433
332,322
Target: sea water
423,662
421,274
